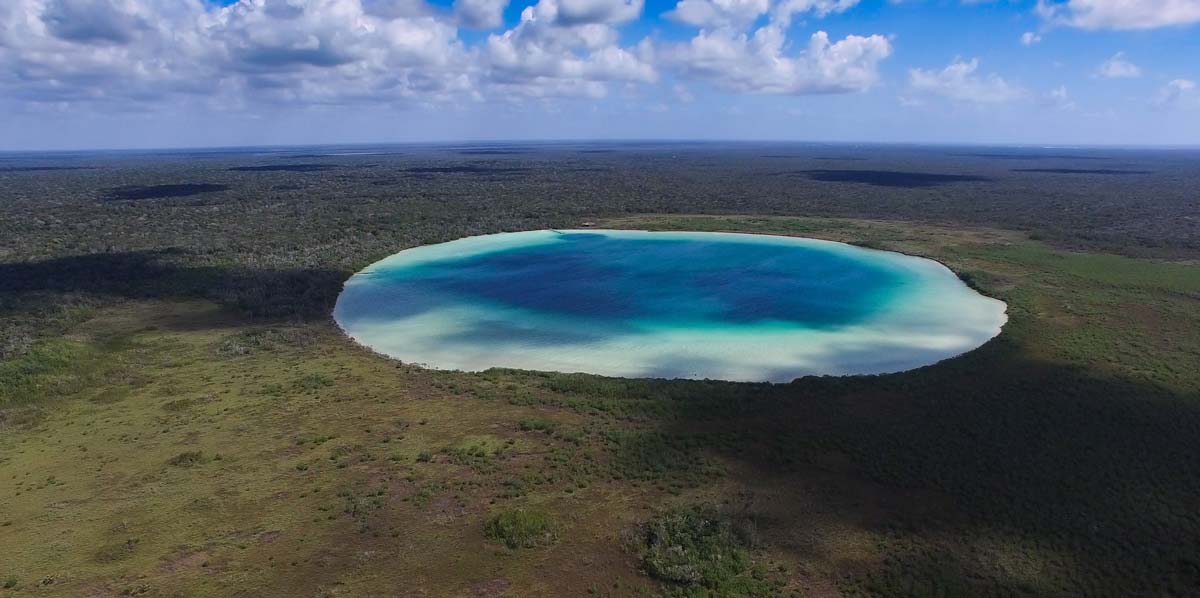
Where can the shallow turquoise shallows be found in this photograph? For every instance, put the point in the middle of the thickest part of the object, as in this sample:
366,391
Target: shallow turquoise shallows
664,305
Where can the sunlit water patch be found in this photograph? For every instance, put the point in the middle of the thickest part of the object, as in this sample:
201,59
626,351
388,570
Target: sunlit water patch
664,304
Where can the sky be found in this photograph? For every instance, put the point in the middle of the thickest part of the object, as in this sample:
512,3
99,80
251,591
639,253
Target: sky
77,74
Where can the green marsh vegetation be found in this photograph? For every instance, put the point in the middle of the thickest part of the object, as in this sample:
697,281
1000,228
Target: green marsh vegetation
704,552
520,528
179,416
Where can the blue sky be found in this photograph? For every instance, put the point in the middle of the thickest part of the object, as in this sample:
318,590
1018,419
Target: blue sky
178,73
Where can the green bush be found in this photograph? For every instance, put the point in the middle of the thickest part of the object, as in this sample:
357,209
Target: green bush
538,424
263,339
188,459
697,547
314,381
521,529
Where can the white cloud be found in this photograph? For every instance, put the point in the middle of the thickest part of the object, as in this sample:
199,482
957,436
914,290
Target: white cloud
576,12
94,21
1030,38
56,51
712,14
1059,98
1120,14
959,82
1118,67
133,54
395,9
480,14
785,9
309,51
733,54
319,51
555,51
757,63
305,51
1177,93
740,14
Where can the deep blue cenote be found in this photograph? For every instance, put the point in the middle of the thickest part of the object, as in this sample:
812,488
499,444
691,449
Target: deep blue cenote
743,307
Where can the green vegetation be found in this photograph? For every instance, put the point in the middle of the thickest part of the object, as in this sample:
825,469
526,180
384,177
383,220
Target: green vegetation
40,372
696,547
179,416
538,424
520,528
1047,461
188,459
478,452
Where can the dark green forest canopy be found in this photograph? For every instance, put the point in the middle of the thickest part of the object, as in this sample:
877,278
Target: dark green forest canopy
283,205
173,391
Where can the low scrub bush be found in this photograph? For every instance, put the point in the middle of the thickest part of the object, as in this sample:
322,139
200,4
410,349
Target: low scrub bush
188,459
703,553
520,528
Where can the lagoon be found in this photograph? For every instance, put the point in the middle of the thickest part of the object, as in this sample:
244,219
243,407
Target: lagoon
664,305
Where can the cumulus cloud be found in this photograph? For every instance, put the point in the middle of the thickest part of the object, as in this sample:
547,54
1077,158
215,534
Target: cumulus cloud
1118,67
1120,14
1177,93
135,53
732,54
56,51
396,9
1030,38
576,12
93,21
784,10
740,14
756,63
480,14
960,82
713,14
340,51
311,51
558,50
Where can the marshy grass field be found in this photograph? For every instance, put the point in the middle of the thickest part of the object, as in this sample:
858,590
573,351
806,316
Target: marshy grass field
179,416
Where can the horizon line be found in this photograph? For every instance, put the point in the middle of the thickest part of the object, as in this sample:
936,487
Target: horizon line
598,141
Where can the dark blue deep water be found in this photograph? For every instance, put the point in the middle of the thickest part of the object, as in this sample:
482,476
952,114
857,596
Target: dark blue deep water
611,281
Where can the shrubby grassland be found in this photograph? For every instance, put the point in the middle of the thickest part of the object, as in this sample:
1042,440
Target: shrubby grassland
179,416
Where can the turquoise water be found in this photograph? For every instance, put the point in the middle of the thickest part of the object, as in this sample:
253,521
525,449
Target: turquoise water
675,305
